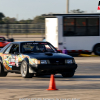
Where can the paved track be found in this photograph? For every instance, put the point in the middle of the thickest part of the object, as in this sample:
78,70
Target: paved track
85,85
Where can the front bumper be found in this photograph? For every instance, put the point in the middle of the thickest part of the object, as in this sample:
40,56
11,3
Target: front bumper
44,68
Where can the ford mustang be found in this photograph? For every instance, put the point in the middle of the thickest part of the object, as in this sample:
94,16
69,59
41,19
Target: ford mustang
31,58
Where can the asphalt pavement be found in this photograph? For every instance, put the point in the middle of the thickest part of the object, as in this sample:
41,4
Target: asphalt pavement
85,85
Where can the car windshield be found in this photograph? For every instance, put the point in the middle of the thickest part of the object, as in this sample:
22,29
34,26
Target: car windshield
37,47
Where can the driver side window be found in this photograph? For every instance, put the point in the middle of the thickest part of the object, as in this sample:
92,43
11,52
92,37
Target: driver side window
14,48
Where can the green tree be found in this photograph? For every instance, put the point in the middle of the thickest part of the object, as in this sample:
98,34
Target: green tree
1,16
6,19
22,21
39,19
10,20
28,21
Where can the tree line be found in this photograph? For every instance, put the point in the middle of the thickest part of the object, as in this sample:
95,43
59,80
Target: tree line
37,19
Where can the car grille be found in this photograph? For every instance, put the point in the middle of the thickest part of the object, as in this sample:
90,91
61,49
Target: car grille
57,61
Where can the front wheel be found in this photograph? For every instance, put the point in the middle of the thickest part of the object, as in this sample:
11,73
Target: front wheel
70,74
2,72
25,70
97,50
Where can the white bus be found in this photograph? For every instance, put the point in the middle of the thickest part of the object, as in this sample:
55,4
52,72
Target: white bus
75,32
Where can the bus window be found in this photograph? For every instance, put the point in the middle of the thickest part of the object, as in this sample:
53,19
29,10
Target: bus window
69,31
93,27
80,31
80,21
69,22
81,26
93,31
93,21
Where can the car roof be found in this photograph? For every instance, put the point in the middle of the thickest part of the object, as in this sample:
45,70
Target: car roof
28,41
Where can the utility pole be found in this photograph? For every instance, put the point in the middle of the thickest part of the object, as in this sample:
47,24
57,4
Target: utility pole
67,8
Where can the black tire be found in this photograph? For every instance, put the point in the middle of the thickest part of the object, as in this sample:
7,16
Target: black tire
97,50
2,72
69,74
25,70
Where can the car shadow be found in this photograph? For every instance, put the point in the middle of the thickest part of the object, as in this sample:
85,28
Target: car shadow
58,77
86,76
75,76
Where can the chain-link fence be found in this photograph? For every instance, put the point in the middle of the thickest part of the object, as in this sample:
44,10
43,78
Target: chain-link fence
22,29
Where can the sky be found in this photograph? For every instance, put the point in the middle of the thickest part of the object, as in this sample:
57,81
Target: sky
25,9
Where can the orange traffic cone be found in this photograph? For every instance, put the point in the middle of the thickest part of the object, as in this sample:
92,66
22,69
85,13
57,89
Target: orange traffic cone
52,85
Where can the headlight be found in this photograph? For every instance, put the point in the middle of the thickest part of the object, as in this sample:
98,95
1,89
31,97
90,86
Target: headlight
37,61
69,61
43,62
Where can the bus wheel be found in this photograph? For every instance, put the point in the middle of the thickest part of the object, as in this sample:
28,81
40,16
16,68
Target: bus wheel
97,50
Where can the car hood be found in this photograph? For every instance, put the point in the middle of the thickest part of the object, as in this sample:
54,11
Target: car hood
48,55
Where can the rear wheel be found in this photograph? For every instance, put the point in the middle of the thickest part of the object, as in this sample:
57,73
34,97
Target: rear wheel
70,74
97,49
25,70
2,72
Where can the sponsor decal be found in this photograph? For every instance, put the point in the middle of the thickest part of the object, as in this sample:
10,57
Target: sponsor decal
12,61
17,62
42,43
31,43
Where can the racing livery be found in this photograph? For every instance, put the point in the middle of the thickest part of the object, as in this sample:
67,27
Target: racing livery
34,57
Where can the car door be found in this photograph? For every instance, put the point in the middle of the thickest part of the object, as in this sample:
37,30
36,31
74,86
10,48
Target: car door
11,57
6,57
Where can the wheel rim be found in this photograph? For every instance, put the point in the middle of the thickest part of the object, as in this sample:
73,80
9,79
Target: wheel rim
24,69
98,50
